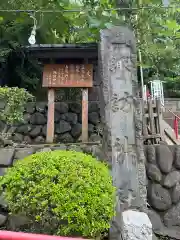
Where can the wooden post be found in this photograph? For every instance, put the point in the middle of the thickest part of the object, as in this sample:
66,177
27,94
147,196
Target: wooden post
160,118
151,116
50,117
85,115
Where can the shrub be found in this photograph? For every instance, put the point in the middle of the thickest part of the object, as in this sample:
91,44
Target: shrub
61,192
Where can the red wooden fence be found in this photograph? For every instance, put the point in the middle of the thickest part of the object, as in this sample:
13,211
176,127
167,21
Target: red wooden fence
7,235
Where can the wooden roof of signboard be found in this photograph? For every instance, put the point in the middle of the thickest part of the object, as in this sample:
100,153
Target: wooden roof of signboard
63,51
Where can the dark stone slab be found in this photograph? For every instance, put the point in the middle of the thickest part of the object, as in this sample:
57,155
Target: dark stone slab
22,153
6,157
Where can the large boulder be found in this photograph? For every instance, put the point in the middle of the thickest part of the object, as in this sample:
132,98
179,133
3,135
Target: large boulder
76,130
172,216
177,157
153,172
30,107
171,179
69,117
159,197
164,158
155,220
61,107
75,107
38,119
62,127
35,131
150,154
94,118
175,195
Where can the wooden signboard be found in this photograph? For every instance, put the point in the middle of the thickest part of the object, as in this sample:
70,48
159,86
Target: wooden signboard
64,75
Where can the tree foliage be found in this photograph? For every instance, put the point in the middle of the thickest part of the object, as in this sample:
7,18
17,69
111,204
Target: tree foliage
156,29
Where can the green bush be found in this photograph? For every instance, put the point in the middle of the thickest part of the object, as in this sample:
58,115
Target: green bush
61,192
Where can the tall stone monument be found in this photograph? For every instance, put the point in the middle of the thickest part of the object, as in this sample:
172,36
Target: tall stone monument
120,110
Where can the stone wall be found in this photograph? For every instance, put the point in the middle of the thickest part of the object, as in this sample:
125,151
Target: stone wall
68,123
163,174
9,155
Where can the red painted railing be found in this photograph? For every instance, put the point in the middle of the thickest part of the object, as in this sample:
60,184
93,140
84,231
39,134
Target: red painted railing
7,235
175,123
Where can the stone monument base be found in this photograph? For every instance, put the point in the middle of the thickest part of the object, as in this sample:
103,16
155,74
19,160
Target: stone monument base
137,226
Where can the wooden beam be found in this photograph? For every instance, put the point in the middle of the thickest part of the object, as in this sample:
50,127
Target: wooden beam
50,117
85,115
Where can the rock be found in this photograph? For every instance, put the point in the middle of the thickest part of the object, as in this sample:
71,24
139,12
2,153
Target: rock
177,157
151,154
75,148
75,107
41,107
175,195
159,197
3,204
172,216
37,119
171,179
24,152
66,138
80,117
2,105
35,131
17,221
69,117
93,107
94,118
153,172
47,149
57,117
97,152
99,129
24,129
27,140
17,137
76,130
61,107
44,130
2,126
155,220
62,127
39,139
136,225
164,158
30,107
90,128
95,138
11,130
3,220
6,156
60,147
3,171
26,118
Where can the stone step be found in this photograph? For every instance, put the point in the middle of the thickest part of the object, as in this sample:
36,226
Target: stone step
170,115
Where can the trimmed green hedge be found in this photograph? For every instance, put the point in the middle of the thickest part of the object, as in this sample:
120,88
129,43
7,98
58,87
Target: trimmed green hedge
62,193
